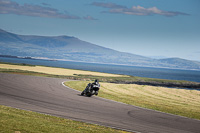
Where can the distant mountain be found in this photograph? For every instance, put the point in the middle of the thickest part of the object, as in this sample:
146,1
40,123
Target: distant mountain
71,48
178,62
158,57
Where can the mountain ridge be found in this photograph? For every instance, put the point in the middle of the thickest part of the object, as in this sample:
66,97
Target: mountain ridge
71,48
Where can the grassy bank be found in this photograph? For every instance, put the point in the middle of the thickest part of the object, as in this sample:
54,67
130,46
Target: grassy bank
54,70
15,120
175,101
88,76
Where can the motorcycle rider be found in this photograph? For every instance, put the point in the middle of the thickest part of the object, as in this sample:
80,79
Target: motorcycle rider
95,85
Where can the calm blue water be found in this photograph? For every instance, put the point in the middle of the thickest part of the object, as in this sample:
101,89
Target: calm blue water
160,73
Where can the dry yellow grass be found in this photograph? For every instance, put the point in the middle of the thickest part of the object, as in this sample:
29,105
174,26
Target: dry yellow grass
171,100
56,71
178,101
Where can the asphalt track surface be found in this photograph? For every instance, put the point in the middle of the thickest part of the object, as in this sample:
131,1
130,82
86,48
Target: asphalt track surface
49,96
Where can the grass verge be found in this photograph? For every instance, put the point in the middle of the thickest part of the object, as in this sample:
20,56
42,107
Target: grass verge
181,102
14,120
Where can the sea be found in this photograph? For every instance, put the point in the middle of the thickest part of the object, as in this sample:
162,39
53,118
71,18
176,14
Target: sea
149,72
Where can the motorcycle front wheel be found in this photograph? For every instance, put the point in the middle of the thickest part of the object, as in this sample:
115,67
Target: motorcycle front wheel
88,94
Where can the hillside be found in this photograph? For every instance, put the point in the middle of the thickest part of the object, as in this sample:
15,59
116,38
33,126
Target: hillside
177,62
71,48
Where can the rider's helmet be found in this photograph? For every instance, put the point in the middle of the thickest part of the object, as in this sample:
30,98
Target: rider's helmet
96,81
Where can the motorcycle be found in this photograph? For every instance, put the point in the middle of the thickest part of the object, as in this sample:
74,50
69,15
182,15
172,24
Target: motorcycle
91,89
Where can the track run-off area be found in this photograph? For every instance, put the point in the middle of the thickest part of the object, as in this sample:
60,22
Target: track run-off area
49,96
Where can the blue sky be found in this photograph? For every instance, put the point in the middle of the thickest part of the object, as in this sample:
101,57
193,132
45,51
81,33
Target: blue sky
169,28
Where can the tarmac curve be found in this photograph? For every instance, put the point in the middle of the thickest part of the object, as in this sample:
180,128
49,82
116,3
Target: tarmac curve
49,96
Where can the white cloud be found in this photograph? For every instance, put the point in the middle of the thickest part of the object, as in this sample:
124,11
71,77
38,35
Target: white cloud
135,10
10,7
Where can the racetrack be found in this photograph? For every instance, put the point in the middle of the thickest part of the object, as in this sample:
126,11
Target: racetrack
49,96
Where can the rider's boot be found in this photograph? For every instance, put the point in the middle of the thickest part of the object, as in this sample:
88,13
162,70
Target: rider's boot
82,93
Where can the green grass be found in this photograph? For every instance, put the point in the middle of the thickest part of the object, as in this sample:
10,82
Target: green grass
175,101
19,64
14,120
